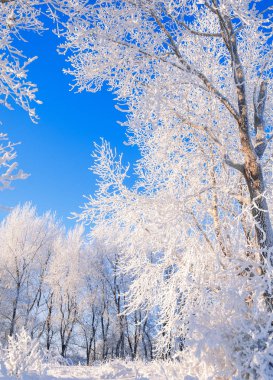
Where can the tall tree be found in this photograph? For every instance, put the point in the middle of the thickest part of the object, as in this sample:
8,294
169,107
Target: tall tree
26,246
207,64
195,233
66,289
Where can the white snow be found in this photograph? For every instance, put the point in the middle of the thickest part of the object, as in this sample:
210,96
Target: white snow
117,369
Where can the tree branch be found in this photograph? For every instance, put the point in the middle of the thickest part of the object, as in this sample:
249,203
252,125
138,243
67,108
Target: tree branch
259,107
188,68
234,165
202,34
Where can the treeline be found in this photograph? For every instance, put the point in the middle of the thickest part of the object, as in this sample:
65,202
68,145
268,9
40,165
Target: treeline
66,292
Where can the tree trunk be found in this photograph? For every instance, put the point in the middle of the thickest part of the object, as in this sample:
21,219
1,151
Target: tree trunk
14,311
263,227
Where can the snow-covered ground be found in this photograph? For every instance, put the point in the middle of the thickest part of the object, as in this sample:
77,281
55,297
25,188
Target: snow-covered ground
113,370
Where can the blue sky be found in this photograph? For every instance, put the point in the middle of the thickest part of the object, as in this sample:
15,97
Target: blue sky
56,151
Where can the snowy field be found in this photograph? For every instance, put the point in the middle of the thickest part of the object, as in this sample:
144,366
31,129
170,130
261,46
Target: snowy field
112,370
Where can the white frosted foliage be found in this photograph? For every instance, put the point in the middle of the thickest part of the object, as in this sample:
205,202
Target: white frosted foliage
22,355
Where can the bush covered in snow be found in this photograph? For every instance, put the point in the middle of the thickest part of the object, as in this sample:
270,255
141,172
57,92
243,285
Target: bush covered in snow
22,355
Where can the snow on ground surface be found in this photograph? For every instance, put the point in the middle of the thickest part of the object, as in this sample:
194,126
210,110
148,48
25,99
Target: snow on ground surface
113,370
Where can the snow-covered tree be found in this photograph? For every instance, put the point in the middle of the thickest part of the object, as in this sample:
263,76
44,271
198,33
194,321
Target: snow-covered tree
26,246
65,279
195,232
106,330
21,355
204,65
64,292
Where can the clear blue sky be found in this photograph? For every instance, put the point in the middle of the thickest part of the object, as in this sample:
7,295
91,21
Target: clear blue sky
56,152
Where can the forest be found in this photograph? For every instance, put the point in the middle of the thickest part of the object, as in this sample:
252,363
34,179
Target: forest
168,275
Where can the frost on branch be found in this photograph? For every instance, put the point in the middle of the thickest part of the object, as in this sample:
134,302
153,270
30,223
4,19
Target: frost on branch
21,356
182,241
26,247
8,167
17,18
195,232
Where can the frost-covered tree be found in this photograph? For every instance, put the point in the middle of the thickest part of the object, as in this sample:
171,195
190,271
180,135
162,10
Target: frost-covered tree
64,293
21,355
26,246
106,330
205,65
195,233
65,279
